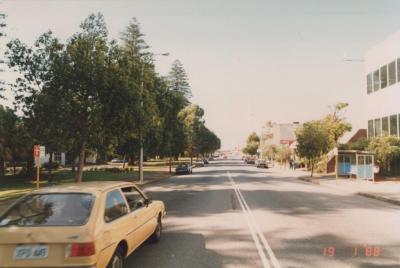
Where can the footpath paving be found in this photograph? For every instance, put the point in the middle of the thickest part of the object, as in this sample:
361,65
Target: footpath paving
388,191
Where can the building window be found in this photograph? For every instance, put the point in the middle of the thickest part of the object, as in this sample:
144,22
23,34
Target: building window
384,76
369,83
385,126
393,125
392,73
377,130
377,83
370,128
398,70
57,157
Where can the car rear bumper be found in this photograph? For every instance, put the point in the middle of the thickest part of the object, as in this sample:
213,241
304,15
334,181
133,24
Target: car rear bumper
182,171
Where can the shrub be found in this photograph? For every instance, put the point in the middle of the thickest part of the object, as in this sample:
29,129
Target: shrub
54,165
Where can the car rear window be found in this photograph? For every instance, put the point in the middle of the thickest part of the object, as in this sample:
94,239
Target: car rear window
58,209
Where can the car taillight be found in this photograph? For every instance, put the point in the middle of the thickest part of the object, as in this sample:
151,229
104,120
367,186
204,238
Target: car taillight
81,249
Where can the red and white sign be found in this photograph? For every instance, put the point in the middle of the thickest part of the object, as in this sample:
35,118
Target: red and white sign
36,151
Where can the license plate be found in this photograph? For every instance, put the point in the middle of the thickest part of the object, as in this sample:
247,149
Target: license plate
31,252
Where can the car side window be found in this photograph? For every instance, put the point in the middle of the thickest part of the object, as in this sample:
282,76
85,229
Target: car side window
115,206
135,199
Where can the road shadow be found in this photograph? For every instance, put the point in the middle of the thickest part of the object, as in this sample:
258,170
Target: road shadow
177,192
224,171
175,250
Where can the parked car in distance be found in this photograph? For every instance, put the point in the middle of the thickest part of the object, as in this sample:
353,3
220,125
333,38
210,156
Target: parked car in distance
205,161
261,163
183,169
91,224
116,160
250,160
199,164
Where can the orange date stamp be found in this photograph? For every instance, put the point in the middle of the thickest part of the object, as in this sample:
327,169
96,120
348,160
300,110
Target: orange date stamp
361,251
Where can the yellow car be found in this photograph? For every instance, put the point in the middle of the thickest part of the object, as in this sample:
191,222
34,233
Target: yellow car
93,224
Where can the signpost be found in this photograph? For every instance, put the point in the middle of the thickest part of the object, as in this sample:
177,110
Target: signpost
36,155
336,153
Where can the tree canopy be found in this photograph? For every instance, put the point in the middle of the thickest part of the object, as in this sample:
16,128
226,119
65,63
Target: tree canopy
313,141
252,144
93,94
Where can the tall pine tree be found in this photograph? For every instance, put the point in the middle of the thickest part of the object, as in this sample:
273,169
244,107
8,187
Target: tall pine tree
178,80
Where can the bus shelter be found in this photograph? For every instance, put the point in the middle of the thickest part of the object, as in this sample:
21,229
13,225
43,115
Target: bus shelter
356,164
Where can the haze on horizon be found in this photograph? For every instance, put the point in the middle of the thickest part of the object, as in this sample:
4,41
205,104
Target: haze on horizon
248,61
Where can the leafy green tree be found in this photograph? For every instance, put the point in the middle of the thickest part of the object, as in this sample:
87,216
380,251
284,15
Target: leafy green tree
87,54
336,123
133,40
313,141
252,144
38,90
283,154
15,142
268,150
7,128
168,138
387,150
361,144
178,79
2,23
192,117
2,34
208,141
142,87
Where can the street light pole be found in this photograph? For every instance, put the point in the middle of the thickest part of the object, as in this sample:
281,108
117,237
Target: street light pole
141,108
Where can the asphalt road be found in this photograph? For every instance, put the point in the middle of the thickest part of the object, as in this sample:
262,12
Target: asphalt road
229,214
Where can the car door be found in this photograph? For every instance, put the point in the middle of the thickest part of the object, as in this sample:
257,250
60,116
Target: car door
116,225
144,221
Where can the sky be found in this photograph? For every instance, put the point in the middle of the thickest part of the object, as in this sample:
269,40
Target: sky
248,62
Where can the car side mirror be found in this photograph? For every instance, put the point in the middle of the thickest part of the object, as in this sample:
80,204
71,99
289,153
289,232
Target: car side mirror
148,201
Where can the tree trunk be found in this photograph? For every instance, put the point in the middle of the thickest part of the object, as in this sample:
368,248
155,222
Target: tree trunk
312,167
73,168
14,169
50,169
170,165
2,169
81,162
191,160
71,159
131,161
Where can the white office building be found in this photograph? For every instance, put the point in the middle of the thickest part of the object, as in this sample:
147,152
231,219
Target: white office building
382,65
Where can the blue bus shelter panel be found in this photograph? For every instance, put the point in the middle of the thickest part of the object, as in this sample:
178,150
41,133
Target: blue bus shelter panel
362,168
344,168
369,171
361,172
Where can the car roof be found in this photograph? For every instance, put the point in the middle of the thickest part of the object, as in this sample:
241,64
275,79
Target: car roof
85,187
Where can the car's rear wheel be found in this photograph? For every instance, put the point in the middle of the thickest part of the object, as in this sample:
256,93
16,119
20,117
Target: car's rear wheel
117,260
156,236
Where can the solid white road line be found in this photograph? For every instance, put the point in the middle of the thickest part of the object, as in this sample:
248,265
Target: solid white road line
260,250
253,224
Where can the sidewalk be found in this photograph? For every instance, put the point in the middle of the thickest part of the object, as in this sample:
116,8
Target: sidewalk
388,191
